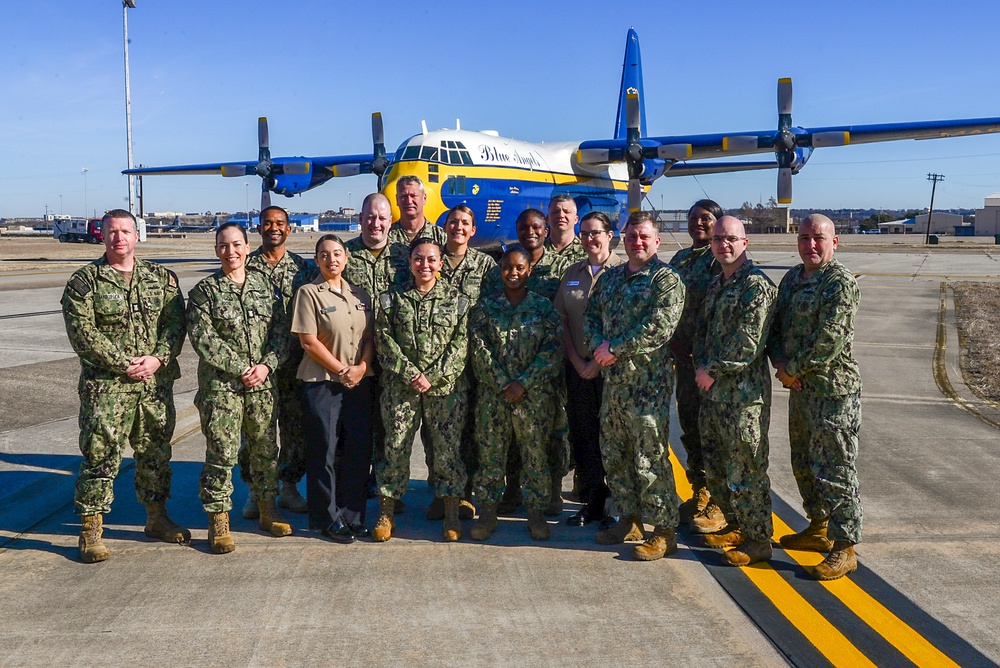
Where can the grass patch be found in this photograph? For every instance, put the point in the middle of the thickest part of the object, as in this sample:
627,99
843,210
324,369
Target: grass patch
977,310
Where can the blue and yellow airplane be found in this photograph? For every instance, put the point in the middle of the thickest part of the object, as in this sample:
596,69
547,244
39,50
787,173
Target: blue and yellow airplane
499,177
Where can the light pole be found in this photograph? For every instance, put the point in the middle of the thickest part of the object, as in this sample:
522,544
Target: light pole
350,216
246,185
126,4
85,214
60,205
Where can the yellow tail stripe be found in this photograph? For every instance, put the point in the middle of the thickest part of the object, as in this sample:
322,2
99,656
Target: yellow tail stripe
833,644
897,633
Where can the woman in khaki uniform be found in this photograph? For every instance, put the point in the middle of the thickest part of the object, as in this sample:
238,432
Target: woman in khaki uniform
334,321
583,375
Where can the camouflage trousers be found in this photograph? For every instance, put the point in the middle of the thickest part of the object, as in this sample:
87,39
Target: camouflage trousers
557,451
403,410
502,428
225,418
734,439
468,450
823,434
688,407
291,453
634,427
108,422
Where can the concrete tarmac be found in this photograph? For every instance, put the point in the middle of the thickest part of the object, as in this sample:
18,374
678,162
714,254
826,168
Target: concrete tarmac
927,467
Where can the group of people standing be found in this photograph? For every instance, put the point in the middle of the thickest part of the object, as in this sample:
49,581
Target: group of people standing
562,354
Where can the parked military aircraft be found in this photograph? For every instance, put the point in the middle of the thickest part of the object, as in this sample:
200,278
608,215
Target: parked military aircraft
499,177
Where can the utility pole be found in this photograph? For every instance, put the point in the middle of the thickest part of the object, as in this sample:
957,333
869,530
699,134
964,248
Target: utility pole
930,212
85,213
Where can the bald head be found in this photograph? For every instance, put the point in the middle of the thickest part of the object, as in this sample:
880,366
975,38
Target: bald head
817,242
375,219
729,244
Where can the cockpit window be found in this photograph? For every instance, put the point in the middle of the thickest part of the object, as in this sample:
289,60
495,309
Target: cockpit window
411,153
429,153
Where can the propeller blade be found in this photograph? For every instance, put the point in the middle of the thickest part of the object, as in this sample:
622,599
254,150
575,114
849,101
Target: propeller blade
632,116
822,139
378,136
593,155
785,96
673,151
262,139
265,196
740,143
634,195
785,185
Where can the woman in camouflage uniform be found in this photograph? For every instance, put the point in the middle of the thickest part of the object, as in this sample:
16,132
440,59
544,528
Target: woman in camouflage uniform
421,340
236,325
516,354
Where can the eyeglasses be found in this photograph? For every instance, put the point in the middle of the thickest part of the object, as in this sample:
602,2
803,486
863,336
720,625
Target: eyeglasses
728,240
590,234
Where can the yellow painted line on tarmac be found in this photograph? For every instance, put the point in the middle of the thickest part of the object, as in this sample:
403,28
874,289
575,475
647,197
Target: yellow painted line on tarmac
920,274
896,632
826,637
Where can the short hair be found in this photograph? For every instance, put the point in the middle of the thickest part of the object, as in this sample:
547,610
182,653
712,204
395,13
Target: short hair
330,237
226,226
515,250
524,215
407,180
370,200
420,241
462,208
600,217
638,218
273,207
709,205
118,213
562,197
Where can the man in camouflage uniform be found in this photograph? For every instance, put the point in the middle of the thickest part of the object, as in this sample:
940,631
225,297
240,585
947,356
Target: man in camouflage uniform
410,199
236,323
697,267
125,319
811,348
464,268
547,269
516,355
422,342
287,272
562,221
632,313
731,372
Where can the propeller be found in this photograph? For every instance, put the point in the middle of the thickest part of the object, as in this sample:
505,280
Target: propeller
785,141
380,163
634,152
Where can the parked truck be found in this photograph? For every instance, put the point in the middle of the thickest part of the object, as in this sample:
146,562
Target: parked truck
75,229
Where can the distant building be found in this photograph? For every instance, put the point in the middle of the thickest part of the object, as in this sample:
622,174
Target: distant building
941,223
672,221
988,218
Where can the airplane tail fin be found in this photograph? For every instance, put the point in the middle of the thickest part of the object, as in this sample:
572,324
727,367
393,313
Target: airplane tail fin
631,83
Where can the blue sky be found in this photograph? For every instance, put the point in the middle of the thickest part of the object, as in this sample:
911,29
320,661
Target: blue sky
202,72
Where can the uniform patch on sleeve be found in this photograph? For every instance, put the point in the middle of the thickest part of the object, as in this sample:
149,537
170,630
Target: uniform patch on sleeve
79,286
385,299
462,305
198,298
172,279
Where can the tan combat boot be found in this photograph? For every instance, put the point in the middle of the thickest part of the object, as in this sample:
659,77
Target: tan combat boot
748,552
838,563
383,528
709,520
486,524
537,526
435,511
731,536
271,520
512,498
812,538
250,510
452,525
159,525
555,507
290,499
661,543
219,539
694,505
627,528
92,547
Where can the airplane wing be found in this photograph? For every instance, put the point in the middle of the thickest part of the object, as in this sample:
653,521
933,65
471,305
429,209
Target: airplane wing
296,165
698,168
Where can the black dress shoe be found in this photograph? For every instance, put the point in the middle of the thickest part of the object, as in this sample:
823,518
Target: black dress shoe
607,522
339,532
581,517
359,530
